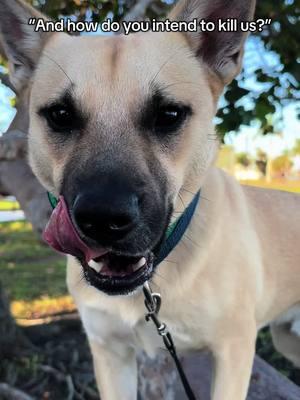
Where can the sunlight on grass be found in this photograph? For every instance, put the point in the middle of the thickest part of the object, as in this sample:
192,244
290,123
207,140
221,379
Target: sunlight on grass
17,226
30,270
288,186
6,205
41,307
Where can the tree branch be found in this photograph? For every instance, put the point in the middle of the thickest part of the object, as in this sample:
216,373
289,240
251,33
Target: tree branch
10,393
2,52
6,81
13,145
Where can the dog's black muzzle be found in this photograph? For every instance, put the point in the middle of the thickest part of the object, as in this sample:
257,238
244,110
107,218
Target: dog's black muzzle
125,217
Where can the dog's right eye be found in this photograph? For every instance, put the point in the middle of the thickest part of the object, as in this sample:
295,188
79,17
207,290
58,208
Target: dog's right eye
59,118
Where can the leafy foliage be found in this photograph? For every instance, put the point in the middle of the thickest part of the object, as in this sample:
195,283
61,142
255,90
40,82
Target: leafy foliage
265,349
275,54
243,159
296,149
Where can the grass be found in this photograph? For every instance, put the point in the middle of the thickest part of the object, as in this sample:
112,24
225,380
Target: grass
41,307
30,271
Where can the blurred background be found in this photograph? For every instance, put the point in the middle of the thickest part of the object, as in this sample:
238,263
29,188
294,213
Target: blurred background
43,351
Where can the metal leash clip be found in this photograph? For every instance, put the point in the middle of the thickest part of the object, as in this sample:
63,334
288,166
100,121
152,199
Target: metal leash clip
153,303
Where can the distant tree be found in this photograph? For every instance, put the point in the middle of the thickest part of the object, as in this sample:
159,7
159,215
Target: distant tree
281,166
261,161
296,149
279,83
243,159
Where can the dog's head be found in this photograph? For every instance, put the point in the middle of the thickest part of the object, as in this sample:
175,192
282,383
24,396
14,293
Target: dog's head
119,125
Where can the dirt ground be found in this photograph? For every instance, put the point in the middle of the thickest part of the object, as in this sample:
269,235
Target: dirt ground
57,367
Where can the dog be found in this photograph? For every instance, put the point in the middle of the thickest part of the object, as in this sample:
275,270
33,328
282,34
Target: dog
121,127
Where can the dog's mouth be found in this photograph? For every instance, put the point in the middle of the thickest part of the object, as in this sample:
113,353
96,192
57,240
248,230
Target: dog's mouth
117,274
112,272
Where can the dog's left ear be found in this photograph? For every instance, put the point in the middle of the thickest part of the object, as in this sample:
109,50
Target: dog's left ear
220,51
22,45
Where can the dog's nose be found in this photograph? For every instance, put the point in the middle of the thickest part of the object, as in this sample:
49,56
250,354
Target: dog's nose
106,217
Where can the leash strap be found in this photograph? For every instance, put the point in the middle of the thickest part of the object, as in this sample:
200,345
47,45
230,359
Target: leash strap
153,303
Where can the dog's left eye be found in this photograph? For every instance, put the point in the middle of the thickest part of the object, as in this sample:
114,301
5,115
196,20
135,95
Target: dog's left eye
59,118
169,118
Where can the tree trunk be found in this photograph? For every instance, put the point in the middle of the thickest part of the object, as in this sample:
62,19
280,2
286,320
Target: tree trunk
16,177
159,380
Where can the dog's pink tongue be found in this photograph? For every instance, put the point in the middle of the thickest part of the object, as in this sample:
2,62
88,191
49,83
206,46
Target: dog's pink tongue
61,234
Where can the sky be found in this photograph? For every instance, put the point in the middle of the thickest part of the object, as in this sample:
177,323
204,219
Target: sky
7,112
248,139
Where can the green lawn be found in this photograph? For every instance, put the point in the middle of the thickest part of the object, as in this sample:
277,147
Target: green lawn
29,269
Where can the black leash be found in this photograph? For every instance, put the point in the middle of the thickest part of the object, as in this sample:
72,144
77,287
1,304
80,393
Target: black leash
153,303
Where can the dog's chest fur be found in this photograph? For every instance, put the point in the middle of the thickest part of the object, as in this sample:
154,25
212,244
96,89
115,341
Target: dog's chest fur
130,327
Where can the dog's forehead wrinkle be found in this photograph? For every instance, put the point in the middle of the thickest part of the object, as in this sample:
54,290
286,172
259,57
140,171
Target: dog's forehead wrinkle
103,69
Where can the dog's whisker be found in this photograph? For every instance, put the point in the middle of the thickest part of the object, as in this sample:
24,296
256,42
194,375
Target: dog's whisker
170,261
184,244
179,83
154,284
201,197
59,66
179,195
192,241
81,279
161,276
204,198
152,81
188,191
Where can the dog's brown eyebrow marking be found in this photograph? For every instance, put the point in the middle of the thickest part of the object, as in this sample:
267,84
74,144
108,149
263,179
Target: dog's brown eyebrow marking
115,54
67,100
157,101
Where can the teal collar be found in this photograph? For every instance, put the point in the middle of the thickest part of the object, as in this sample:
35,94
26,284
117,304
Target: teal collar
174,232
52,200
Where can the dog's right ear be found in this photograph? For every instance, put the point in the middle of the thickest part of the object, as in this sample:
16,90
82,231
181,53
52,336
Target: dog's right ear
220,51
22,45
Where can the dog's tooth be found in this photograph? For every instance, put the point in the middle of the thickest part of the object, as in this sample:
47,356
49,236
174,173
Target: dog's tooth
139,264
142,262
97,266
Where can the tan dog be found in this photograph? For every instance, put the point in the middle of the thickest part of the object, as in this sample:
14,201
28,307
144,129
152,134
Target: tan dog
122,128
